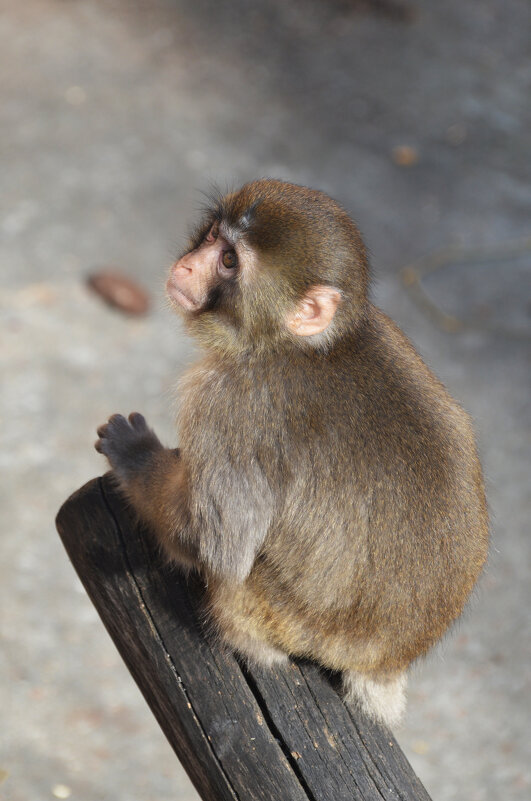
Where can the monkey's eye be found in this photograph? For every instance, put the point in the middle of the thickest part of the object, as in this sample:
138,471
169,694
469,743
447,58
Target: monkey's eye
212,234
229,260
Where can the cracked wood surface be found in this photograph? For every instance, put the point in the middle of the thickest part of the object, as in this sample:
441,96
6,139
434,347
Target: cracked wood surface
271,735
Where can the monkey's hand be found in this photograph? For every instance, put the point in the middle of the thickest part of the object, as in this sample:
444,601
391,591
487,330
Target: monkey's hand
129,445
152,478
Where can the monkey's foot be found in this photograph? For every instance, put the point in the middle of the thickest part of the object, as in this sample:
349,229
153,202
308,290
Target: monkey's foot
384,701
257,652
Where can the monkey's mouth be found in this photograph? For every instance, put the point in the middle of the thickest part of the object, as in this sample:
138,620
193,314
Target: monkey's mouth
180,297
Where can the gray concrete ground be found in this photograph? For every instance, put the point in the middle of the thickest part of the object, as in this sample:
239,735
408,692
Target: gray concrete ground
112,115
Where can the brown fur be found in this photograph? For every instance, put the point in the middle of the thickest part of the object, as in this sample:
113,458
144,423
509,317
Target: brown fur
328,487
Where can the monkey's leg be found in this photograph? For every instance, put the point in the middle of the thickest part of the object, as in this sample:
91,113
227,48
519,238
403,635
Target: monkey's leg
383,700
238,615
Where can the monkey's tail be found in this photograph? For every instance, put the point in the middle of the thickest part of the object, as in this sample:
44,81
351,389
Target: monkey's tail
384,701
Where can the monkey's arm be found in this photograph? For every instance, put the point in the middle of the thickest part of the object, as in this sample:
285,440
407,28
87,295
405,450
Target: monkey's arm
221,521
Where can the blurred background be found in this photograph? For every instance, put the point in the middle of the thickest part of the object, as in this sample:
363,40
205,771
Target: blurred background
114,115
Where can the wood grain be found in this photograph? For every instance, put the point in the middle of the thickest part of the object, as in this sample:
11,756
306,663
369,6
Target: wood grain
270,735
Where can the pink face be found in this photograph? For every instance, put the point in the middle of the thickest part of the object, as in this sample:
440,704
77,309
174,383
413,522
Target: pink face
192,277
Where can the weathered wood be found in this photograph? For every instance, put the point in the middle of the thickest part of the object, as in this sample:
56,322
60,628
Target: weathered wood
269,735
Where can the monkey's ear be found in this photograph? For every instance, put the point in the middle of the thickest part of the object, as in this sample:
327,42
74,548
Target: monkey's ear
314,312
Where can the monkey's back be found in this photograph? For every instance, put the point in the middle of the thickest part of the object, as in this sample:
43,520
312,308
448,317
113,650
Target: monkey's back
378,526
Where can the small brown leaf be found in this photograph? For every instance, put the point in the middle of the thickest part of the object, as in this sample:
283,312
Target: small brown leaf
119,291
405,156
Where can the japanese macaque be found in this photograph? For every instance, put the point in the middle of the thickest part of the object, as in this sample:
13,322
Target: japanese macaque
327,487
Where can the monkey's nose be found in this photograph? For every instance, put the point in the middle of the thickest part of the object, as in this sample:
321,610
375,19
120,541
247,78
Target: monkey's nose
181,268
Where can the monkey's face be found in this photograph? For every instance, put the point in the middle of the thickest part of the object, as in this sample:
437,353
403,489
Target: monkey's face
195,277
270,263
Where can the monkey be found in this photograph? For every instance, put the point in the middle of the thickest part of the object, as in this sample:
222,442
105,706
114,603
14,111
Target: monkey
327,487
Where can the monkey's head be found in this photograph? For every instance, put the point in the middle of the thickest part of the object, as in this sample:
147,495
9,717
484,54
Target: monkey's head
272,263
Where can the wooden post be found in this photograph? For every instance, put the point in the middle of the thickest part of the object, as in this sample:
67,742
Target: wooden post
271,735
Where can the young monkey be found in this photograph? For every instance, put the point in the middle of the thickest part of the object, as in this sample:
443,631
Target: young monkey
327,486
